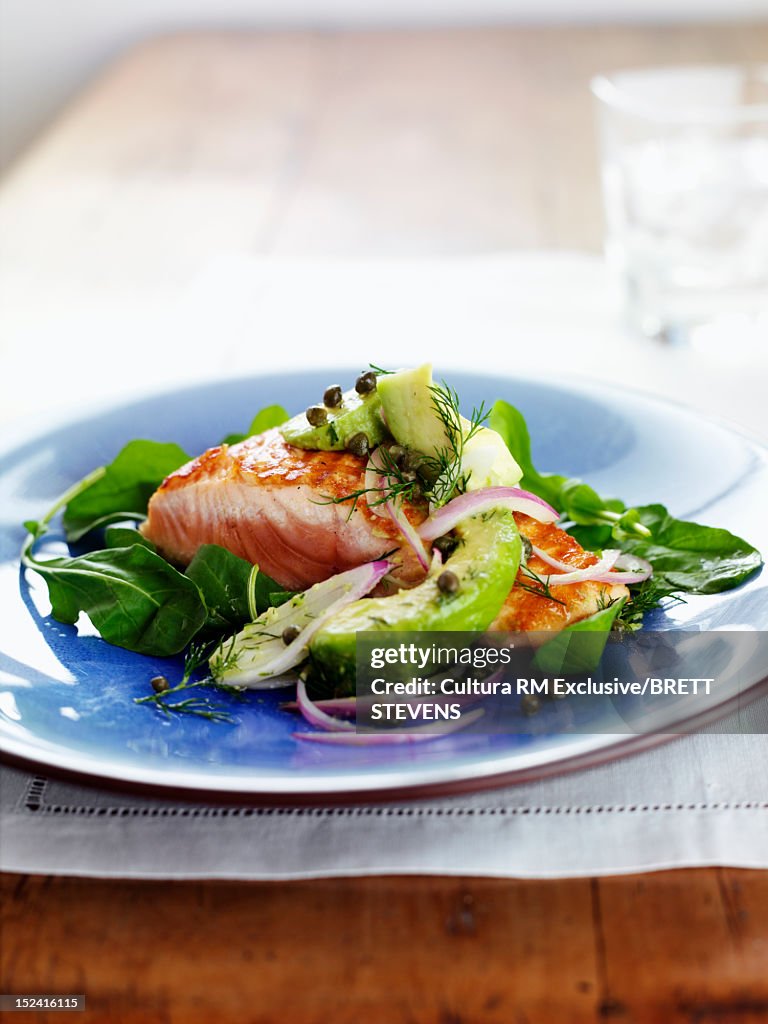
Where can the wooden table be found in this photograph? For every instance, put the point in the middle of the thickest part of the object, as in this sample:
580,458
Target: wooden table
395,144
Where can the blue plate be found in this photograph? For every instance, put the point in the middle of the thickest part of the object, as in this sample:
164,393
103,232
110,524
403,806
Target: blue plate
66,698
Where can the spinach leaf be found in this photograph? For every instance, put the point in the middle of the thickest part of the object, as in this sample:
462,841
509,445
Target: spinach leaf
579,646
124,536
133,597
223,581
122,489
508,421
574,499
266,593
689,557
265,419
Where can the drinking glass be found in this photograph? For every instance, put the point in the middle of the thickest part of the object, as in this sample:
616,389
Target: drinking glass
684,163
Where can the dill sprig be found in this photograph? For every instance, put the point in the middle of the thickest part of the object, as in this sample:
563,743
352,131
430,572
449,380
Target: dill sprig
644,597
439,476
445,466
540,586
196,656
397,485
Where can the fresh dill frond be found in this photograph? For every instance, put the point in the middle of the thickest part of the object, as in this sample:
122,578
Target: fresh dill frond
379,371
539,586
446,465
196,656
644,597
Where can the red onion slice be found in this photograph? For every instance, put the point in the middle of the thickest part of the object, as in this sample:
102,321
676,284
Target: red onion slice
603,571
571,575
376,481
315,716
628,569
417,734
512,498
408,530
346,707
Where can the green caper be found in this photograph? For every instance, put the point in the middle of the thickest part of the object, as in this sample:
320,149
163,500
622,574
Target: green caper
529,704
289,634
445,545
358,444
332,396
448,582
159,684
366,383
317,415
412,460
527,549
396,453
409,475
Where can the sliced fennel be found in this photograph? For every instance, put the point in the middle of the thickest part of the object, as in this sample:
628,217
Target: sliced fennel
258,656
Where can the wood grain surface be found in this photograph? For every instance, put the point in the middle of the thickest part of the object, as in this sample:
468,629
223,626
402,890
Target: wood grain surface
358,144
686,946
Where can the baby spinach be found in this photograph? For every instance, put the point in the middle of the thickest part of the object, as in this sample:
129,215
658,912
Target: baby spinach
574,499
508,421
223,581
685,556
122,489
124,536
133,597
579,646
689,557
268,417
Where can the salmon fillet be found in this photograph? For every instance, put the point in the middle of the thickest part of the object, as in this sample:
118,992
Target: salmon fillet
268,502
524,611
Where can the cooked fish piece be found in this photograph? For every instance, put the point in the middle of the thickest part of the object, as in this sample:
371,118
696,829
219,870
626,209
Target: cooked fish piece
272,504
525,611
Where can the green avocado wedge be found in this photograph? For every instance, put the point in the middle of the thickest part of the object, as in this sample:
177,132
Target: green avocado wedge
485,562
356,414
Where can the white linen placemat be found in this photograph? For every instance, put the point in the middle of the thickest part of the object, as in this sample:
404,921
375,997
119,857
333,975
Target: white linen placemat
699,800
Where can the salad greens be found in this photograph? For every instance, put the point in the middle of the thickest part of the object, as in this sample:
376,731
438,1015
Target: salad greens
121,490
133,596
268,417
685,556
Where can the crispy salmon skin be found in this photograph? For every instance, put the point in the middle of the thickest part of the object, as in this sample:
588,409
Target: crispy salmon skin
526,610
273,504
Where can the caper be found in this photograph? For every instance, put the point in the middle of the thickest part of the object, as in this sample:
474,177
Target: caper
396,453
358,444
412,460
527,549
366,383
317,415
408,475
289,634
159,684
446,545
332,396
529,703
448,582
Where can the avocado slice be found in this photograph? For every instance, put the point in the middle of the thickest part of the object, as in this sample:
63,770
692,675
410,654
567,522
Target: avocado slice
485,562
407,398
356,414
